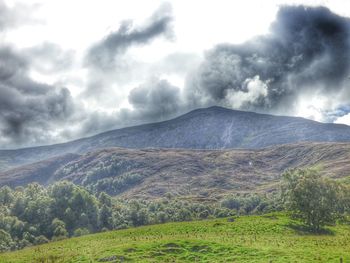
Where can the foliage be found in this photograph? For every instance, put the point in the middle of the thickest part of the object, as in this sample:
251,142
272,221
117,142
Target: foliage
81,232
312,198
35,214
252,203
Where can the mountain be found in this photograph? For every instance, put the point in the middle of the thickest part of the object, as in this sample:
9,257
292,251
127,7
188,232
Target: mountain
209,128
151,173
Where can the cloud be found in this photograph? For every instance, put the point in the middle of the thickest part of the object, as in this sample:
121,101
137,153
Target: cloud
107,53
177,63
33,113
307,52
49,58
253,89
108,62
29,111
343,119
301,67
15,16
154,100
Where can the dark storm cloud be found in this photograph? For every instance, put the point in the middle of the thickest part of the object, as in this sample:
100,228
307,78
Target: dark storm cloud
28,109
105,54
155,100
306,52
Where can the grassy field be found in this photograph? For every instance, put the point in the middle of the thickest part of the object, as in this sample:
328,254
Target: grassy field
269,238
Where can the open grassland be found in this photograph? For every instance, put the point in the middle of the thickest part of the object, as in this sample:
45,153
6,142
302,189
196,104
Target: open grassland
268,238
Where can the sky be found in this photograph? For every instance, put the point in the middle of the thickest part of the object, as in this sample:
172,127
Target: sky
71,69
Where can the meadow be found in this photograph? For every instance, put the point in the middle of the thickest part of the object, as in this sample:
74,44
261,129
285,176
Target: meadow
265,238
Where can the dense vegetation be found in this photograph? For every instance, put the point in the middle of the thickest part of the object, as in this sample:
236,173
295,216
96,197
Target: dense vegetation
35,214
264,238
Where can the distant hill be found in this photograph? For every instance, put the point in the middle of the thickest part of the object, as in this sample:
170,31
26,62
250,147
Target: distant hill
210,128
198,174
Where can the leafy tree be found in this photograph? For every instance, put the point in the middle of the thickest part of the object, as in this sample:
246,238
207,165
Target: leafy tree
17,228
6,195
162,217
19,206
310,197
61,193
58,229
84,203
232,202
105,199
29,237
5,241
105,217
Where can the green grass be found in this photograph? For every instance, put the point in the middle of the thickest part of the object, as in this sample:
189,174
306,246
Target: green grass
269,238
345,180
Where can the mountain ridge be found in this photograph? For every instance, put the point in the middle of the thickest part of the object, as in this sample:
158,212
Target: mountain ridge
206,128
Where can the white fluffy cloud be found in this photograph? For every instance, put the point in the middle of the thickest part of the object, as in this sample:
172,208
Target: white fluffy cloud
343,119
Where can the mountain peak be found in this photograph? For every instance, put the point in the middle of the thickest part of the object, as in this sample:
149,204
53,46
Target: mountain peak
206,128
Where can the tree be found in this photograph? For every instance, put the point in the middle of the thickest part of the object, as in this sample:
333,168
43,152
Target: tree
6,195
105,199
310,197
232,202
138,215
105,217
5,241
58,229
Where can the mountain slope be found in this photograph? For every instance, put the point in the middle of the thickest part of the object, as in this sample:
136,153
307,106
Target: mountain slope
210,128
151,173
266,238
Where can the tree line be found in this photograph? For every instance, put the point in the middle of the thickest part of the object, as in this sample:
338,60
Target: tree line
35,214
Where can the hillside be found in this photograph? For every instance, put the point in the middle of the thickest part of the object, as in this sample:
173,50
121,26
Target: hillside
151,173
269,238
210,128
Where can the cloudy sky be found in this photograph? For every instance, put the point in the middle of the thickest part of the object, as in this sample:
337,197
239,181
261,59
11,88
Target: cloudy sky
70,69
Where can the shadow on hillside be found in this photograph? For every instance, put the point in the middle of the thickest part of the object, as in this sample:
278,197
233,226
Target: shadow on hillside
305,230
